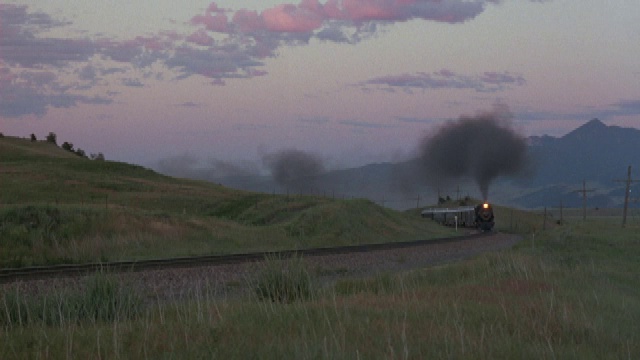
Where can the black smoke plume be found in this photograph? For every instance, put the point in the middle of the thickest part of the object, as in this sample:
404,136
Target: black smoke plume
294,169
481,147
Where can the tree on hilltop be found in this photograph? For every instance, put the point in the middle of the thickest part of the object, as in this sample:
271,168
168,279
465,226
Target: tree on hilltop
67,146
52,138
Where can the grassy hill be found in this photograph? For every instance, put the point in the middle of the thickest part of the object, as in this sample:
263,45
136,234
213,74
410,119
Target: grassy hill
57,207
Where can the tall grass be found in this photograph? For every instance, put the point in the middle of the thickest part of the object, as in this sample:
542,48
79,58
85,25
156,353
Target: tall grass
574,295
104,299
283,280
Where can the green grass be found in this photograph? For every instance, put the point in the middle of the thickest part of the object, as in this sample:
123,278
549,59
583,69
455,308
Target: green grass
56,207
104,299
573,294
283,280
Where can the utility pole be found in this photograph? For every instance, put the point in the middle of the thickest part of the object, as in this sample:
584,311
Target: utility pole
561,219
627,191
584,192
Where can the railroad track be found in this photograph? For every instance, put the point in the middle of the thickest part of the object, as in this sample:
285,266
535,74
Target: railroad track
9,275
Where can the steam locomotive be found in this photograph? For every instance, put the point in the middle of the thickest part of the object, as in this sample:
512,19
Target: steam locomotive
480,216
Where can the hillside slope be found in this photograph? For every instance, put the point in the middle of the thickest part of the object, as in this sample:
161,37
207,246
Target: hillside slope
58,207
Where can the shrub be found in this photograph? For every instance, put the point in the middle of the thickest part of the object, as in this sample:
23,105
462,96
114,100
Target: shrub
283,281
33,137
97,157
67,146
52,138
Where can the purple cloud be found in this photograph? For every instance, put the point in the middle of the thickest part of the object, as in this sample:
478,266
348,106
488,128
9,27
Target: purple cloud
215,62
20,46
365,124
132,82
445,79
32,92
224,44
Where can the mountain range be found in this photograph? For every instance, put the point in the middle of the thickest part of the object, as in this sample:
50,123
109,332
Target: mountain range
594,156
592,152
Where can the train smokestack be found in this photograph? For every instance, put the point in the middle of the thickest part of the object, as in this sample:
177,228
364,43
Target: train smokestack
481,147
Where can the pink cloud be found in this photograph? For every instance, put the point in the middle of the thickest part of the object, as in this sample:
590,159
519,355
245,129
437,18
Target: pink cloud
291,18
213,8
364,10
248,21
310,15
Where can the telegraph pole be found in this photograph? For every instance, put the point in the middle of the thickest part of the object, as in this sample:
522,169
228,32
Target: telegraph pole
561,219
627,191
584,192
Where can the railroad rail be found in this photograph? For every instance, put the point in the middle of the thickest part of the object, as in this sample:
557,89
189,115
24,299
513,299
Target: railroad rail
8,275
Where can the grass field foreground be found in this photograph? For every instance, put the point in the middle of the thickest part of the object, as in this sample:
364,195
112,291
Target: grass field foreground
570,294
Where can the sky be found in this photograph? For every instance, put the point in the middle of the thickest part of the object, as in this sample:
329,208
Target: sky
353,81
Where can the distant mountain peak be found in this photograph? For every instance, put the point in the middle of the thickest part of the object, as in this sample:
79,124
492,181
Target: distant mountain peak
594,124
593,127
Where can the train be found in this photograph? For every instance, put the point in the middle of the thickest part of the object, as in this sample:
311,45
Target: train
480,216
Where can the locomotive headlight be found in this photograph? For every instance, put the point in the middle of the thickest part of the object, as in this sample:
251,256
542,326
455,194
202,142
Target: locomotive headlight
485,205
